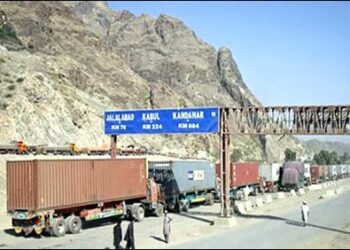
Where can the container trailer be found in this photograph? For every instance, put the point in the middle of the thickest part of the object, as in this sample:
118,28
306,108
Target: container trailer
318,174
57,195
185,182
270,174
243,175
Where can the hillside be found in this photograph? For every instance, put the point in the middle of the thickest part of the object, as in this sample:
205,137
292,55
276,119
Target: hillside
62,64
339,147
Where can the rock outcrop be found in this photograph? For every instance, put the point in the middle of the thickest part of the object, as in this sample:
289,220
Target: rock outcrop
74,60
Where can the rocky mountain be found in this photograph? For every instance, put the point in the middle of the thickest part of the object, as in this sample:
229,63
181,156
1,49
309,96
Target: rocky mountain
62,64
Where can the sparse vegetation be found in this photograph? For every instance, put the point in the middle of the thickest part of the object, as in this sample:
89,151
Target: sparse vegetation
290,155
330,158
4,106
11,87
236,155
20,79
8,32
39,77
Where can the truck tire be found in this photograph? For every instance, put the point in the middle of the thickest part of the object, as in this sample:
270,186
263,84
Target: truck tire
185,206
159,211
74,224
210,199
59,228
139,213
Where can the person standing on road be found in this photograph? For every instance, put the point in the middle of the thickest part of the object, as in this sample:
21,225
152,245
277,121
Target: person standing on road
166,226
118,235
305,212
129,236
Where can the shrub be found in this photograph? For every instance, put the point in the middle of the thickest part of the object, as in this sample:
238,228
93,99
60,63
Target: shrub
21,79
8,95
11,87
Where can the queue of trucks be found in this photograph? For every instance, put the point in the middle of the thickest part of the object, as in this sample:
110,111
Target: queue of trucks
56,196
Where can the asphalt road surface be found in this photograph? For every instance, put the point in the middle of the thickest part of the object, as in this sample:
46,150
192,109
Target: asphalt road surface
328,220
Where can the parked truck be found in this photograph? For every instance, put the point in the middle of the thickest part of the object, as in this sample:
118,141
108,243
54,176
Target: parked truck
332,172
269,174
185,182
292,175
307,174
243,176
318,174
56,195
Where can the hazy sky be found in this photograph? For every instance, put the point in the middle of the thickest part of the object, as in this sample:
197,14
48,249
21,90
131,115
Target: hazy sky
289,53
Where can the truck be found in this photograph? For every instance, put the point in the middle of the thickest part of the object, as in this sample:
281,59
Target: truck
332,172
243,176
269,174
184,182
18,147
55,196
318,174
292,175
307,174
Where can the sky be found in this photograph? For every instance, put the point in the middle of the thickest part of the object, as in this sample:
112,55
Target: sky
289,53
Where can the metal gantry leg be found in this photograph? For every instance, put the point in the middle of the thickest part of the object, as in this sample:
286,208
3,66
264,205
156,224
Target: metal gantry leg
225,165
114,146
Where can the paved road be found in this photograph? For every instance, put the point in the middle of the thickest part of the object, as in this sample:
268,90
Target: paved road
328,219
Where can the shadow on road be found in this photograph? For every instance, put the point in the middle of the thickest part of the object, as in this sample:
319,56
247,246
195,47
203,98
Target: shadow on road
32,235
204,213
289,222
158,238
188,215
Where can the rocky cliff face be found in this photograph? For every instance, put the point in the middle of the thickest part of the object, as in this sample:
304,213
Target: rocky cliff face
64,63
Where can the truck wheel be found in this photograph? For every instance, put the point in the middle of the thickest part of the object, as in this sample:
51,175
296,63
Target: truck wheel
140,214
18,230
38,230
159,211
74,224
185,206
59,228
210,200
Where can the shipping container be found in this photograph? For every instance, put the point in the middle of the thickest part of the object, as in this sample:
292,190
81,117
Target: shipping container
270,172
184,181
332,172
317,174
269,176
91,189
243,176
292,175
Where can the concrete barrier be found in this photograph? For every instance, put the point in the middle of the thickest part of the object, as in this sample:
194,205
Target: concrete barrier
292,193
259,202
268,198
248,205
338,190
225,222
301,191
239,207
330,193
280,195
315,187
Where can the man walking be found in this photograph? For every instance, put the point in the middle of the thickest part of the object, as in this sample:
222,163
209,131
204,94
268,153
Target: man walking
117,233
129,236
166,226
305,212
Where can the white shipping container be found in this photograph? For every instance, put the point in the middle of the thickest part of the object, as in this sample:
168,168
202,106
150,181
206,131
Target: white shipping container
270,171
